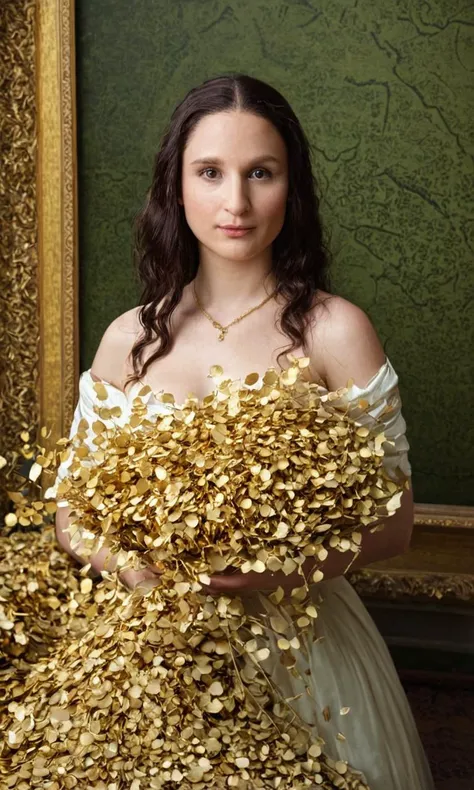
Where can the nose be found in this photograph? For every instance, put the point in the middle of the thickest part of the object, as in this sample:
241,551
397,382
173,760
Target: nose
236,198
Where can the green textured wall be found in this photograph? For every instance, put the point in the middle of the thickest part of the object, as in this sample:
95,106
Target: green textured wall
385,92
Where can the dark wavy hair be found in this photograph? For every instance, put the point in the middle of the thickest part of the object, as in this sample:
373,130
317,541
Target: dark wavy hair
166,251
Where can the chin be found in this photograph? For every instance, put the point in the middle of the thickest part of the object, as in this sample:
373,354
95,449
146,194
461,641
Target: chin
242,255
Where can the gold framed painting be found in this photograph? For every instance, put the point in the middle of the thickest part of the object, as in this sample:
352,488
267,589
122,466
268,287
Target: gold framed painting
439,563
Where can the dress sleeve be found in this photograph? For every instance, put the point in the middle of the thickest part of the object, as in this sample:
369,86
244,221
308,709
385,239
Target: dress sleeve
379,404
85,409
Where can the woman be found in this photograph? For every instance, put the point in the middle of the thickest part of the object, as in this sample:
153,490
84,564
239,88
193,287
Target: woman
231,256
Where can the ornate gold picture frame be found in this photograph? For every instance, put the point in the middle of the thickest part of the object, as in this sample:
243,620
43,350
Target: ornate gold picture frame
440,562
57,213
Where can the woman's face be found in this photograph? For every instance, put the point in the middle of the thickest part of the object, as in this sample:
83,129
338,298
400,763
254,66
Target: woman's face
235,172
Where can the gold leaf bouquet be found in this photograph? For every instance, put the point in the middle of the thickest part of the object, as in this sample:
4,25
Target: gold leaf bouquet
171,687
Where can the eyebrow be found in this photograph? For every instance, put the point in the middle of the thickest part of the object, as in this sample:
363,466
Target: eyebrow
210,160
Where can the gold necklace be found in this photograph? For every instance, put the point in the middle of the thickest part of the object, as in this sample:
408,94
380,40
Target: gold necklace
223,329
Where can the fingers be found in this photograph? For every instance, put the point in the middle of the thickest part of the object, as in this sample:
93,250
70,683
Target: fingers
220,585
238,584
151,571
146,577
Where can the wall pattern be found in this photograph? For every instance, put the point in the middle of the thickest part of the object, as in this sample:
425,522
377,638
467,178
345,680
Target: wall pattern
385,92
19,318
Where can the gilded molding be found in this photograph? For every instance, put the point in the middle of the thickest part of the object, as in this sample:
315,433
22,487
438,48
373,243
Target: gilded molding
19,324
57,191
70,220
446,516
400,584
425,580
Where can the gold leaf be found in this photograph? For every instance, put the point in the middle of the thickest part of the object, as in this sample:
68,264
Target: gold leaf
279,624
251,379
281,531
219,433
214,706
196,773
86,586
262,654
251,646
35,471
216,689
242,762
182,588
100,390
303,622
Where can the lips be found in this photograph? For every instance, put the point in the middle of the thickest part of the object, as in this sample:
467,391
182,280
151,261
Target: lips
235,227
234,232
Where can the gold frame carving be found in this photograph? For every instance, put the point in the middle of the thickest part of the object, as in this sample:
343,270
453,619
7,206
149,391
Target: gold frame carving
396,585
19,320
57,214
439,562
438,565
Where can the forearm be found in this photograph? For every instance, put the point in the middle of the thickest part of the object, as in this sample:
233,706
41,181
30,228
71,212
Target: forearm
102,560
391,540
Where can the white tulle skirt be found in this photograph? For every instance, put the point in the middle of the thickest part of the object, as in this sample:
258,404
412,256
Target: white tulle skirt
352,694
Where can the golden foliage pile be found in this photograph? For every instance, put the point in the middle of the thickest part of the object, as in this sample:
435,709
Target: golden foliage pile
254,479
172,688
39,592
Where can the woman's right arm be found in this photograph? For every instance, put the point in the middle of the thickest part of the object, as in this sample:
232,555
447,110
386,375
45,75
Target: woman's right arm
108,365
104,560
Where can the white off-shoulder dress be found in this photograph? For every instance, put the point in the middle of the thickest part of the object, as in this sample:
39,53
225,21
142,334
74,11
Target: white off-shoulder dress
350,666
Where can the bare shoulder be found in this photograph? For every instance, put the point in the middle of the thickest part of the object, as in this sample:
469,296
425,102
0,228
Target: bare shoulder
111,358
336,317
345,342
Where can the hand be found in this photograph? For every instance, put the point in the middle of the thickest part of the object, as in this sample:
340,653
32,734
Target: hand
145,578
234,582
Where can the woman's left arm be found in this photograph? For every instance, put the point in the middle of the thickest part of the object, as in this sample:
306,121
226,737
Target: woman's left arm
390,541
343,346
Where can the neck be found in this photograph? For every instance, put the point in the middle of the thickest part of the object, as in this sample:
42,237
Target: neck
233,283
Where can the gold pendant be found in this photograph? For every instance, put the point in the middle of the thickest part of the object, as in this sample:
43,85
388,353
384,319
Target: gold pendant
222,333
